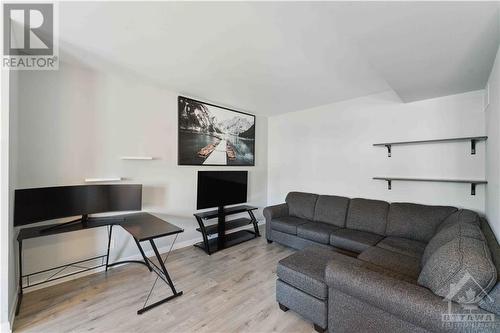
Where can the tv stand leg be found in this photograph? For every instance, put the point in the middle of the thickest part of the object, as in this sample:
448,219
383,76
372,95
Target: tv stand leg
221,229
204,235
255,224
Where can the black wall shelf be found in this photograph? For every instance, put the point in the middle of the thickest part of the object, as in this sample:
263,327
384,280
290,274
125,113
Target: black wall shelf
472,182
472,139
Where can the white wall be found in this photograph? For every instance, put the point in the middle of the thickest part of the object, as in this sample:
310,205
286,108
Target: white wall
8,286
76,123
14,95
329,150
493,149
5,227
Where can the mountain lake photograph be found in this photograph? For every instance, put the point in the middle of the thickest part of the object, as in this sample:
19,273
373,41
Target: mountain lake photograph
213,135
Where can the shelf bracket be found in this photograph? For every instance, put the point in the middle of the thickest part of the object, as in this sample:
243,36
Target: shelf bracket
389,182
388,150
472,188
473,147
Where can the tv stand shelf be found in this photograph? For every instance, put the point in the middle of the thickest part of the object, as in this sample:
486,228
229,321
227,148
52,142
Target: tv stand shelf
231,224
231,239
227,211
224,240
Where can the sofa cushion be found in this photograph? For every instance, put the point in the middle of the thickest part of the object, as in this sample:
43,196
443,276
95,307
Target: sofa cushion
417,222
353,240
287,224
492,303
493,245
460,216
305,270
397,262
367,215
331,209
450,233
316,231
404,246
464,262
301,204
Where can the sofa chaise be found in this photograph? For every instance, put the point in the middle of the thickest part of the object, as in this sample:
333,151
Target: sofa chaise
372,266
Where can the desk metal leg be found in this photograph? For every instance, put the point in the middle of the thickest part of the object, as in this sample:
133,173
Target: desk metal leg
162,265
109,244
167,276
145,262
143,255
20,290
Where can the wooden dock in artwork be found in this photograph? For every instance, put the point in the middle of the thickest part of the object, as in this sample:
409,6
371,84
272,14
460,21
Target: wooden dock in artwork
218,153
207,150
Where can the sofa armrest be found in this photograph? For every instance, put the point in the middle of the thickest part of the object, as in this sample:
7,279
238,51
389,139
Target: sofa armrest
408,301
272,212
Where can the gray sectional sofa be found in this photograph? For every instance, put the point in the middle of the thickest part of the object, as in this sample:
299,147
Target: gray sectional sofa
372,266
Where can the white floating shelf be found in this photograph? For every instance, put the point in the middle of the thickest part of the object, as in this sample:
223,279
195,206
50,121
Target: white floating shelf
99,180
145,158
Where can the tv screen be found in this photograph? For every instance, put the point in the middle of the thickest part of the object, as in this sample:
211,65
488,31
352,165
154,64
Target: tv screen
221,188
47,203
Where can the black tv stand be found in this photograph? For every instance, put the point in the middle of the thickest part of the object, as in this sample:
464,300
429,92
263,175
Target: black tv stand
224,240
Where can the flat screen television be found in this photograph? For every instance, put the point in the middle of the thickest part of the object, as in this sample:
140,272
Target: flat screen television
221,188
47,203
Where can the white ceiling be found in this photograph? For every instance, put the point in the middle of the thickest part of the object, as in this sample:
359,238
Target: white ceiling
271,58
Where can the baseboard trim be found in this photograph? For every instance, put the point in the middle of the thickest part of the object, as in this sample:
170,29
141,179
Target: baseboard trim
5,327
12,314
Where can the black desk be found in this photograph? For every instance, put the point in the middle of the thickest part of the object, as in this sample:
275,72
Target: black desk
141,226
146,227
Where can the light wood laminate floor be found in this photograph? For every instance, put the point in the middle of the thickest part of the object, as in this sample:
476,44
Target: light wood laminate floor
229,291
